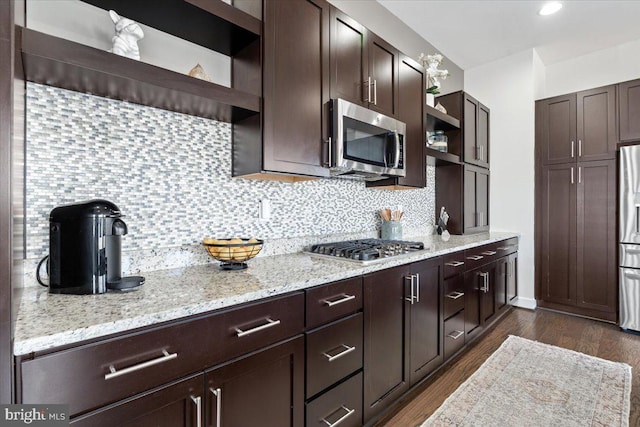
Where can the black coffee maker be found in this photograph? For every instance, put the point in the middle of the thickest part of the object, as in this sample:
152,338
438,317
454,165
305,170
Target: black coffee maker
85,249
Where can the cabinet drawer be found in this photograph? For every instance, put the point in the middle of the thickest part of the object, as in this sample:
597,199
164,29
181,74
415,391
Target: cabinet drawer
340,406
333,352
453,295
481,255
454,264
93,375
331,302
453,335
507,247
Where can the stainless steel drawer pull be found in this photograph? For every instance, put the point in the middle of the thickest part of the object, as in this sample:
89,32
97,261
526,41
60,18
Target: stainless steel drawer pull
455,295
489,253
217,392
340,301
504,248
475,257
456,334
454,263
342,418
485,280
270,324
347,350
198,401
115,373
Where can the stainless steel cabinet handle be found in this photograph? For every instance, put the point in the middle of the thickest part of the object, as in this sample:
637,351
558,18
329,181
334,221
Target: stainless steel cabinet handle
475,257
342,418
579,148
579,175
115,373
489,253
504,248
198,401
485,280
455,295
456,334
340,301
413,295
270,324
346,351
375,92
417,287
572,144
572,173
368,83
217,392
454,263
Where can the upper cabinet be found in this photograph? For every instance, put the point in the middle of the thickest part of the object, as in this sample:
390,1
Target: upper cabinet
295,93
577,127
213,24
474,135
364,68
629,107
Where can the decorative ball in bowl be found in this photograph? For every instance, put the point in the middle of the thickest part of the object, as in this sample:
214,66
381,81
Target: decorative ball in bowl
232,253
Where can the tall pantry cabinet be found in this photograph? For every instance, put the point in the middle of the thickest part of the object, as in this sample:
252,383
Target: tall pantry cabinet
575,203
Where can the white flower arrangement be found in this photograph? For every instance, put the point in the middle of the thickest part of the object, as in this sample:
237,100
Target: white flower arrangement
431,63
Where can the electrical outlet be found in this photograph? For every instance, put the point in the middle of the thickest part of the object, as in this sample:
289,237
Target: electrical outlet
264,206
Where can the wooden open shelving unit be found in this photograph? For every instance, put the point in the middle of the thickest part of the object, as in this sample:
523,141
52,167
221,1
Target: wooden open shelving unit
437,120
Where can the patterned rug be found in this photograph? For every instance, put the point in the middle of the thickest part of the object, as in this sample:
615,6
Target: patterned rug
527,383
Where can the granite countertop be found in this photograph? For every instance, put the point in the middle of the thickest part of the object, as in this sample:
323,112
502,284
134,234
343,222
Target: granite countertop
46,321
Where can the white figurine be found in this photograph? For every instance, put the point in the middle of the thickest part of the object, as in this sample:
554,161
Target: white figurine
128,32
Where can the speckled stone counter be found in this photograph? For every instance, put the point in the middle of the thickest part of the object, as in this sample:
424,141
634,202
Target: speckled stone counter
45,321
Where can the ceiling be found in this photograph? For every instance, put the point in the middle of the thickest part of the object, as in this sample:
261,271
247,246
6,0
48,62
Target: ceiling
474,32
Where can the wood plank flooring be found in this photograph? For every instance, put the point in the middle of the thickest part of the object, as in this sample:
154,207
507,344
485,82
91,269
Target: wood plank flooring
587,336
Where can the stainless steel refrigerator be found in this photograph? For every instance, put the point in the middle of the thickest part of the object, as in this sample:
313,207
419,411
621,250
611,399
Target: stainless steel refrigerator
629,237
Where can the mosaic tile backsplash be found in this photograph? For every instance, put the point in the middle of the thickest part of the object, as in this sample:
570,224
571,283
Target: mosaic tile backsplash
170,174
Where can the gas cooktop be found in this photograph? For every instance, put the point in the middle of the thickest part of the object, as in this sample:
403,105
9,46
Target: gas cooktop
365,251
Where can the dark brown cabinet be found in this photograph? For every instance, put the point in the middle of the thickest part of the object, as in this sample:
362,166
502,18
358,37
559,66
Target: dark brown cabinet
577,127
476,199
295,92
474,118
265,389
512,277
629,110
411,104
364,67
480,298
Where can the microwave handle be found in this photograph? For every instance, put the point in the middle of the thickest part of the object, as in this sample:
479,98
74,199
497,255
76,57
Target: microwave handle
329,154
397,137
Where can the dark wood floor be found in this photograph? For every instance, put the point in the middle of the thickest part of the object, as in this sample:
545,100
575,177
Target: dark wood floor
587,336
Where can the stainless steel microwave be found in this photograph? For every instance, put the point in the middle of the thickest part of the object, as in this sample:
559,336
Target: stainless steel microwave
365,144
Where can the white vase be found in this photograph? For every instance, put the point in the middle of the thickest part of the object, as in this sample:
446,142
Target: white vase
431,100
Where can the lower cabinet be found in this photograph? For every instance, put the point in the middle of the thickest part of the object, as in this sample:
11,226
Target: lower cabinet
341,405
480,298
403,341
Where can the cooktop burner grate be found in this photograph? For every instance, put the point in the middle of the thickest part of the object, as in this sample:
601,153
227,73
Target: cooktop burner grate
366,250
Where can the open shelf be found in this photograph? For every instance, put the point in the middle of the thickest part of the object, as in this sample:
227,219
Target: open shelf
441,157
213,24
437,120
62,63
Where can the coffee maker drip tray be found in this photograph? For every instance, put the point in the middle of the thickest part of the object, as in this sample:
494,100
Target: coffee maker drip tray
125,284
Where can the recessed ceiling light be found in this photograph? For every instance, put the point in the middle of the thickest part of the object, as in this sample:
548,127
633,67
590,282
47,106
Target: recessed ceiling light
550,8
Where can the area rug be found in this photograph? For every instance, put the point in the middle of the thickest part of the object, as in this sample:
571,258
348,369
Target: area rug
527,383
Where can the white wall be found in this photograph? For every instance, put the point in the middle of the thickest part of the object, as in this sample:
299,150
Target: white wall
507,86
614,65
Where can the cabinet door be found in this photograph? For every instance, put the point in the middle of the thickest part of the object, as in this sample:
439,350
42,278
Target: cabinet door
473,283
512,278
383,69
597,124
178,404
263,389
349,59
470,129
489,291
296,87
556,119
483,136
425,341
596,248
386,375
500,284
476,199
629,109
470,212
558,236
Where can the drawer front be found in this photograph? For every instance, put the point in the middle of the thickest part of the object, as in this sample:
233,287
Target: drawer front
339,406
453,335
454,263
93,375
330,302
333,352
453,295
507,247
481,255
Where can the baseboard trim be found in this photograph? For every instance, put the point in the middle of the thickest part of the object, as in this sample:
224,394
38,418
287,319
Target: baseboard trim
528,303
